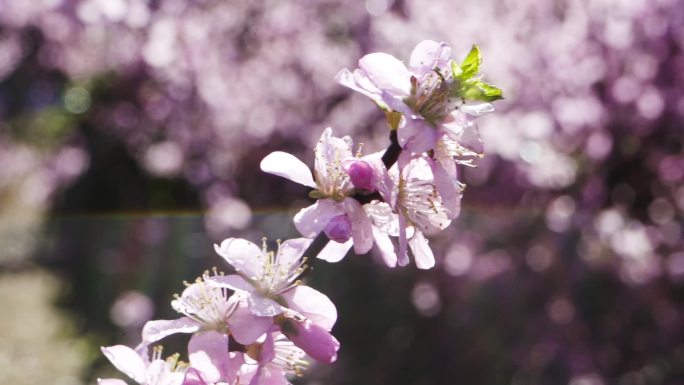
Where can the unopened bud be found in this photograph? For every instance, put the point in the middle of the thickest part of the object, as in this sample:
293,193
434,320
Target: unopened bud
338,229
361,175
318,343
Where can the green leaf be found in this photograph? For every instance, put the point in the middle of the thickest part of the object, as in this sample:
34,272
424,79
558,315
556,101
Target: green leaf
467,85
471,64
456,70
476,89
490,92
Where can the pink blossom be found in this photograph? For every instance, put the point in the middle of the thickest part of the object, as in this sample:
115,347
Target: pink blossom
204,307
332,187
411,190
269,281
425,93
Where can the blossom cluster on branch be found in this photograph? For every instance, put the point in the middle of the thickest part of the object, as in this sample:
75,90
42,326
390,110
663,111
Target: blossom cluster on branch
257,325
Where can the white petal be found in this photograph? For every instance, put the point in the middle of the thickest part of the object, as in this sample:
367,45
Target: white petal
312,220
361,226
421,251
463,130
335,251
359,82
263,306
159,373
383,218
384,243
383,181
313,305
477,109
155,330
402,257
126,360
233,282
288,166
243,255
290,252
429,54
330,152
110,381
448,189
387,73
172,378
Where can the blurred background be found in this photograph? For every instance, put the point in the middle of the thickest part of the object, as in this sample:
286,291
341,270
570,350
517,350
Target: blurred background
130,137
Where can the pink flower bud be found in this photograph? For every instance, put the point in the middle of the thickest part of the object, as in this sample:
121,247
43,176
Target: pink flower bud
318,343
338,229
361,175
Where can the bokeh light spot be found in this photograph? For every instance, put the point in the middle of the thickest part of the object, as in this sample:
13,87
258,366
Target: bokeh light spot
77,100
131,309
561,311
426,299
377,7
539,258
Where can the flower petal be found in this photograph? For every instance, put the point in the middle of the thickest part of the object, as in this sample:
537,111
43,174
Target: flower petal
448,189
288,166
361,226
247,327
290,252
335,251
359,82
159,373
155,330
242,255
267,353
402,257
383,181
127,361
208,353
421,251
329,154
312,220
417,136
477,109
463,130
263,306
233,282
387,73
232,368
313,305
269,375
110,381
384,243
193,377
427,55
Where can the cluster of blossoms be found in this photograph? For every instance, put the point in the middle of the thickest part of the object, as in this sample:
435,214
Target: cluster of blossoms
256,326
412,187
